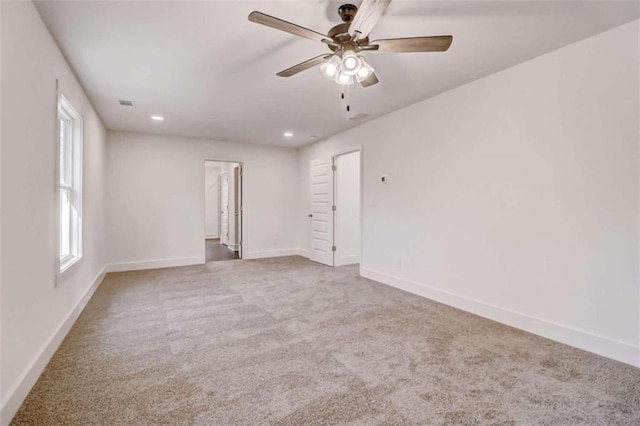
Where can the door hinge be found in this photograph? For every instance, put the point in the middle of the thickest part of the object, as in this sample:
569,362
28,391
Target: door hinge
334,167
334,208
333,248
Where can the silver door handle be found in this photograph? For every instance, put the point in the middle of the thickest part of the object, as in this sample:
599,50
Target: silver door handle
310,215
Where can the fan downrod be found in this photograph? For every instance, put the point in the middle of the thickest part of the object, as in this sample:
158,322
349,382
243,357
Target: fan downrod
347,12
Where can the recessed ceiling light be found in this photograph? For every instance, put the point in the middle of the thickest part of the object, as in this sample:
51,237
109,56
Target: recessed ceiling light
288,134
157,117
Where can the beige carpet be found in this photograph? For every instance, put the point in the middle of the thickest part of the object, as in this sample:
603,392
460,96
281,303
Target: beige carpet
285,341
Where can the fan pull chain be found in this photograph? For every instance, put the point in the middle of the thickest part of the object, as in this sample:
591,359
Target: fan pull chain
345,96
348,106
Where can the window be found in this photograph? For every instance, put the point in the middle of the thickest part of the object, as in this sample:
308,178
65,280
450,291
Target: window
70,185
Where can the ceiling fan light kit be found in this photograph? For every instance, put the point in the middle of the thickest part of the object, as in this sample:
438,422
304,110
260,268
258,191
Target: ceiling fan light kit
345,65
347,68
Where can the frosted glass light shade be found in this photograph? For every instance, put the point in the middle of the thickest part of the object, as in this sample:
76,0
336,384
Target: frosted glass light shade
347,69
365,70
344,79
350,62
331,68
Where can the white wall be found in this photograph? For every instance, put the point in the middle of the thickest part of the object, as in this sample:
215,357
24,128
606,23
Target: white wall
35,313
516,196
347,218
212,210
156,199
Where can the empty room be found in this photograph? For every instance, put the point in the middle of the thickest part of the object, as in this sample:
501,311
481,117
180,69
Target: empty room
293,212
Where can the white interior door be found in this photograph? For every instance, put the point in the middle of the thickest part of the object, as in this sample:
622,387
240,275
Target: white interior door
224,209
321,213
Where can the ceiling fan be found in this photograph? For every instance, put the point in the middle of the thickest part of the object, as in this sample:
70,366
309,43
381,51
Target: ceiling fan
345,65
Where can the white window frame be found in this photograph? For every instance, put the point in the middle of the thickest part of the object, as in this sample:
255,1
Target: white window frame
73,186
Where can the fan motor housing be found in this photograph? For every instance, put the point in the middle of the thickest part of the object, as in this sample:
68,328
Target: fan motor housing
340,34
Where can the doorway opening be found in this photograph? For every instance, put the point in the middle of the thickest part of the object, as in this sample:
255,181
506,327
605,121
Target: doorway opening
347,215
335,211
223,210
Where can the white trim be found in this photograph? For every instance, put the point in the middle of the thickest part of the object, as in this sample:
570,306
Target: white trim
272,253
154,264
303,252
587,341
67,263
348,150
211,236
347,260
234,247
16,395
76,189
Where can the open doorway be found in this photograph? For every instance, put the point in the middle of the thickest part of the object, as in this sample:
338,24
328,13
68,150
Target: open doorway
347,214
223,211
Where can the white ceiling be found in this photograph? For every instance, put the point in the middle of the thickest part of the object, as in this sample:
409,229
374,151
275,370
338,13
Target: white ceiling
211,73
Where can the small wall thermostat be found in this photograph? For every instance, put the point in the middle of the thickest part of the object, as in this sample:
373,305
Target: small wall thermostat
384,179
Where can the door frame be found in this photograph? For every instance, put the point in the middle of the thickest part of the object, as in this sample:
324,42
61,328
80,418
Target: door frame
242,244
334,158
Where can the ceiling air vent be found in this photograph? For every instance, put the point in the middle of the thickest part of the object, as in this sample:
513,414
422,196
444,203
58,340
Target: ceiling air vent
125,102
359,117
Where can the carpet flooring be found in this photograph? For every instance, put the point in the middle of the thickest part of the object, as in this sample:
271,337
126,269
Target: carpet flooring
289,342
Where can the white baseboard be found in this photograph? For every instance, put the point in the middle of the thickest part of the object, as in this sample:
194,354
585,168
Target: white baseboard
347,260
210,236
271,253
16,395
234,247
303,253
154,264
581,339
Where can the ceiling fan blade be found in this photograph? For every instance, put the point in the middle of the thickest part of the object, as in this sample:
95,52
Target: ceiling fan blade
304,65
368,14
413,44
370,81
279,24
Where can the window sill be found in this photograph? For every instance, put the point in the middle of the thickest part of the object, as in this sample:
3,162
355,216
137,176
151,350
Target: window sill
67,264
